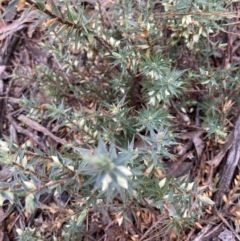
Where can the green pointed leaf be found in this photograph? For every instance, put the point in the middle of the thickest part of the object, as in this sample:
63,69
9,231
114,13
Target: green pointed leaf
162,183
172,211
30,203
71,14
10,6
82,216
41,5
55,9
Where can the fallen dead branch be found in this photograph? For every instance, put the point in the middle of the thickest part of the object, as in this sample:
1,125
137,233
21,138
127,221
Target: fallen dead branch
231,165
36,126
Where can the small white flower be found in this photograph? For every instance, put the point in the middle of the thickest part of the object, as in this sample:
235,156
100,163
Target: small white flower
122,182
167,93
152,101
105,182
124,170
158,97
184,20
30,185
196,38
190,186
4,146
81,123
162,183
188,19
112,41
151,93
19,231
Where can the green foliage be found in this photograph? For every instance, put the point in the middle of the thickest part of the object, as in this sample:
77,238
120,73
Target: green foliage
74,229
120,69
29,235
108,171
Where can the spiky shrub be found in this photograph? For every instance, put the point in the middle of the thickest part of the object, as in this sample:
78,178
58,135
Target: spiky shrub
122,63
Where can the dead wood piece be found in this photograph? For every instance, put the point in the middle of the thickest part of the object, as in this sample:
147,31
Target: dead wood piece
186,147
179,113
1,109
27,133
17,25
36,126
194,137
2,225
154,225
208,232
5,52
227,224
218,158
178,169
230,167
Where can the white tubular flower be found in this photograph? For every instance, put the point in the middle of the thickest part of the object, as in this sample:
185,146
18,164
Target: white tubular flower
105,182
122,182
124,170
